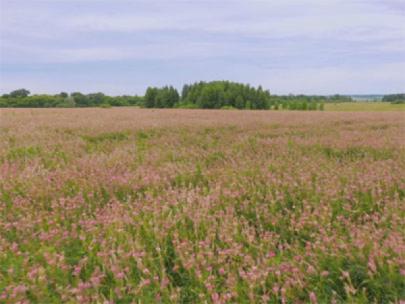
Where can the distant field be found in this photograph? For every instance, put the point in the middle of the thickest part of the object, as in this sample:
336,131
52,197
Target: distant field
127,205
364,106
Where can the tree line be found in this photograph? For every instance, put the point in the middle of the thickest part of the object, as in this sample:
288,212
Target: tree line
22,99
394,98
204,95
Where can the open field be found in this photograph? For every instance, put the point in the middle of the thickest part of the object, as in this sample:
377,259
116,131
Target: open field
129,205
364,106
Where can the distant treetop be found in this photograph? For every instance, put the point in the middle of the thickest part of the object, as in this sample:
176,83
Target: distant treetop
205,95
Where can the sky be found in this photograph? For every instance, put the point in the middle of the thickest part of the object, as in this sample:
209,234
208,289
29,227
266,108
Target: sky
122,46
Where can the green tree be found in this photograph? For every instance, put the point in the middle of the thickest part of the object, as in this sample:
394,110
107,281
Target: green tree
150,97
96,99
19,93
321,106
67,102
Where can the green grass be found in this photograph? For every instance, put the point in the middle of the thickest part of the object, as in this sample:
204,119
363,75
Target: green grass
364,106
281,210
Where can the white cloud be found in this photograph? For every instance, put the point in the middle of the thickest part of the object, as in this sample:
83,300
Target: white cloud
310,42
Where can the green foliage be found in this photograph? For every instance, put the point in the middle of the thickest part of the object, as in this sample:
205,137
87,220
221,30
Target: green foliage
19,93
321,106
68,102
105,106
113,136
23,153
228,108
179,277
104,142
394,98
364,106
194,214
34,101
73,251
298,103
21,99
204,95
165,97
218,94
357,153
305,102
338,98
181,105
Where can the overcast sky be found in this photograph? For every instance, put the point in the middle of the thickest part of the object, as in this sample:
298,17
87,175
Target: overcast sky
122,46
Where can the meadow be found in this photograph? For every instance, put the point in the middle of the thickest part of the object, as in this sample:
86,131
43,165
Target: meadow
128,205
364,106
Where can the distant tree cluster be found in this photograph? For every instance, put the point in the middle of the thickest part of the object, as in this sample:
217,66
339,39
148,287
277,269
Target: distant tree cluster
224,94
298,102
165,97
231,95
394,98
99,99
22,99
204,95
338,98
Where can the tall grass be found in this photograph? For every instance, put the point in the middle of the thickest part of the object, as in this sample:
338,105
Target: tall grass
186,206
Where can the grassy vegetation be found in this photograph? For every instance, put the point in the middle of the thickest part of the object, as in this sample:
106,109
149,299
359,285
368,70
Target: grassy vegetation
192,206
364,106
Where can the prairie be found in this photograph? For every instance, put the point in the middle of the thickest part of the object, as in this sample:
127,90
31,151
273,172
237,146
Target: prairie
364,106
128,205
